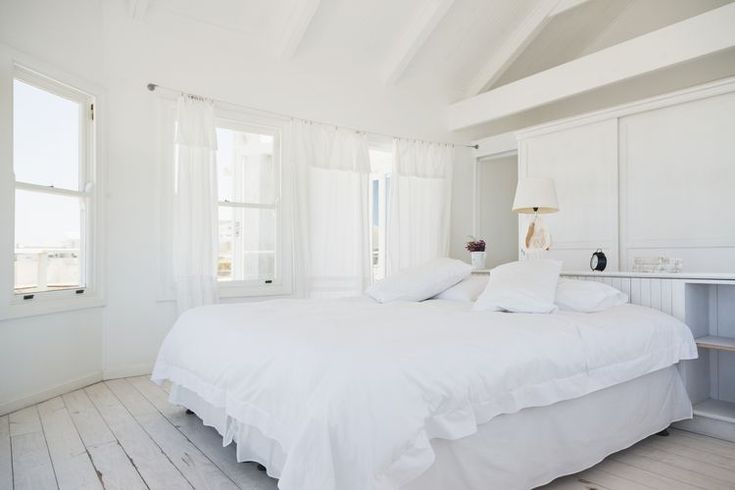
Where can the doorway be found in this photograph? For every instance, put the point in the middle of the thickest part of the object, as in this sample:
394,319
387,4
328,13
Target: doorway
495,222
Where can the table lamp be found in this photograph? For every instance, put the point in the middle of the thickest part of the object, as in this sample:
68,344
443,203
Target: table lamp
536,195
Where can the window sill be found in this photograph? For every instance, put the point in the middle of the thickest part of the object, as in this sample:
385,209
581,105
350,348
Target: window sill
226,291
49,306
230,292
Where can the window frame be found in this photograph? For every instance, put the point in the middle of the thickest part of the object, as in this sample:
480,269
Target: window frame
251,287
234,117
382,179
18,304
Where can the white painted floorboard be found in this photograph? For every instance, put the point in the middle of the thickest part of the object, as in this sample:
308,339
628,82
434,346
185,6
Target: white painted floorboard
6,463
108,457
69,457
123,434
32,468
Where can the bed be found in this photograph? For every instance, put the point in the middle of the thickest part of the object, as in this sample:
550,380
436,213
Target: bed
353,394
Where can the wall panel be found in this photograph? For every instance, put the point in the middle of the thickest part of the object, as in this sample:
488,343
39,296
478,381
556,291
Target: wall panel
583,163
677,169
655,178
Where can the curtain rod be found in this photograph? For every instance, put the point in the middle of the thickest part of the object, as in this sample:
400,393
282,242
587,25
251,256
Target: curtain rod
153,86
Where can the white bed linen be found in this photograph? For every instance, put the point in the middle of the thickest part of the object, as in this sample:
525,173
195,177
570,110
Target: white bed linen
536,445
520,450
353,391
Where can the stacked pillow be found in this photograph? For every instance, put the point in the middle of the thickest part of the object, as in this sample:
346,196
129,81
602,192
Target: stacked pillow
531,286
587,296
420,283
521,287
465,291
534,286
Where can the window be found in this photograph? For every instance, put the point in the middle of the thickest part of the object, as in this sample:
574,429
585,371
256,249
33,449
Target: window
380,167
52,162
249,187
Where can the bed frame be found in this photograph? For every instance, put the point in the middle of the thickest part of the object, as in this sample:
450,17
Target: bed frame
706,303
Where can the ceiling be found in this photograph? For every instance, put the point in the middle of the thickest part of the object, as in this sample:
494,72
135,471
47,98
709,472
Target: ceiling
598,24
445,49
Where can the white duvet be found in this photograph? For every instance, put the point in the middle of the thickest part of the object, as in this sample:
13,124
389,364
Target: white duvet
352,391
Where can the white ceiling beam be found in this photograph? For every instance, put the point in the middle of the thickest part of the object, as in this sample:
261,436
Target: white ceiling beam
683,41
565,5
514,45
415,36
296,26
138,8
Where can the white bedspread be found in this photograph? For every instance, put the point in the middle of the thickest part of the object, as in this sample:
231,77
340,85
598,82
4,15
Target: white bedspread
353,390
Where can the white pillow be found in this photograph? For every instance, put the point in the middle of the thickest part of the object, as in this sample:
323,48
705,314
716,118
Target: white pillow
521,287
587,296
466,291
420,283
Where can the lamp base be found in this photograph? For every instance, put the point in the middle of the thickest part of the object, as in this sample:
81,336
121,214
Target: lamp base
538,237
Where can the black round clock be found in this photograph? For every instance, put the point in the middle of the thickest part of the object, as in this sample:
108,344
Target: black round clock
598,262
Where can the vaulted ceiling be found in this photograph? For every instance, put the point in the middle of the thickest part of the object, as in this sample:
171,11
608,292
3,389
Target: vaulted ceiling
444,49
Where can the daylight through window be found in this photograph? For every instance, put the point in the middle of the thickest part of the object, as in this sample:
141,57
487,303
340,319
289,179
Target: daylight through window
51,156
248,168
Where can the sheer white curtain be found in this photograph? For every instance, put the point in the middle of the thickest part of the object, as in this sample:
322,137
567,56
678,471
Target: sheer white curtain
419,203
195,241
332,168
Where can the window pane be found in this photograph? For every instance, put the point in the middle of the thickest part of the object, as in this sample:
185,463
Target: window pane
47,242
227,233
247,244
246,167
381,163
46,137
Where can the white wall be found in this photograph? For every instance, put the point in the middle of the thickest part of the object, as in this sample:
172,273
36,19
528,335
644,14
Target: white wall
41,357
98,41
677,179
650,179
44,355
462,224
583,162
496,223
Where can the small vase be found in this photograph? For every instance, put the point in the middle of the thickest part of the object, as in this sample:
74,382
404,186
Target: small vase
478,260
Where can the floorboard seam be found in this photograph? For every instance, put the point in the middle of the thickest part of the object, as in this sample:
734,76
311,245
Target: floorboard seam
149,436
185,436
48,450
117,441
12,465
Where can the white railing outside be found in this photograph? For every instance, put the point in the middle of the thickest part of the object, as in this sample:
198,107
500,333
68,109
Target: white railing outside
41,269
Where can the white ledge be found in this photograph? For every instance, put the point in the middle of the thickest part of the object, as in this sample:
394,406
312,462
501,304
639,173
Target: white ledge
683,41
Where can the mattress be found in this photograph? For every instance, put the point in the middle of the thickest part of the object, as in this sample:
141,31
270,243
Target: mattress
351,394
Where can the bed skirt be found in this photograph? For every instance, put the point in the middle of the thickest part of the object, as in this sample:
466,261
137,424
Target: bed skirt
515,451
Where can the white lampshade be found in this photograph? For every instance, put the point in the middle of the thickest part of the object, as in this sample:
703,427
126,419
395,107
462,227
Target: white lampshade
535,192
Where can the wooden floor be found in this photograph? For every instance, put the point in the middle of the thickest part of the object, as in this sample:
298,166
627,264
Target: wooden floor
123,434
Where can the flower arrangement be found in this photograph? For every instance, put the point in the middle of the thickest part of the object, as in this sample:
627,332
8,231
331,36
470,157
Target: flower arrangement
475,245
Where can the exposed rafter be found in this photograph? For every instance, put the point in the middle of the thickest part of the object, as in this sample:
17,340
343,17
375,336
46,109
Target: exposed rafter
415,37
665,47
296,26
138,8
565,5
513,46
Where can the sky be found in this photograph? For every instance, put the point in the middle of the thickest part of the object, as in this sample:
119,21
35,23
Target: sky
45,152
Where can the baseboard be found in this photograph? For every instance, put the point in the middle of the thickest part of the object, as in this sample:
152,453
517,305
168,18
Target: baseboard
55,391
709,427
127,370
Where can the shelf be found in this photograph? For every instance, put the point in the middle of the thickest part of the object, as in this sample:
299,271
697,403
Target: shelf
719,343
725,277
705,277
716,409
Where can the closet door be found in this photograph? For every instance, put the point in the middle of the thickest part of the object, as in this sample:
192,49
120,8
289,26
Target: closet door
677,169
582,161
